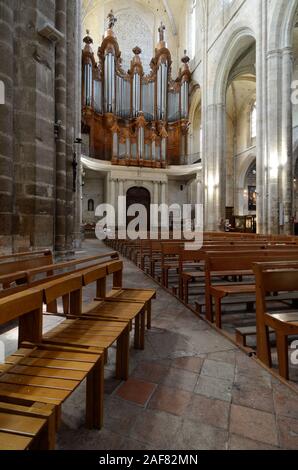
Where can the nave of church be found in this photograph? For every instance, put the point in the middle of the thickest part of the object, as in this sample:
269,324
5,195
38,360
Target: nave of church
190,389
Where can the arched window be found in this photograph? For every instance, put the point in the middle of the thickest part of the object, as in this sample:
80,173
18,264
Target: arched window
90,205
253,121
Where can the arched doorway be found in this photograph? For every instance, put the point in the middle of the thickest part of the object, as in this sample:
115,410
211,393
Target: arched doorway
138,195
241,130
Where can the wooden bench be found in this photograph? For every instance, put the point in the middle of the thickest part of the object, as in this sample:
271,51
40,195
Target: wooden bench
117,308
19,265
235,263
24,254
244,332
275,277
26,425
191,263
43,373
88,330
138,295
57,271
169,260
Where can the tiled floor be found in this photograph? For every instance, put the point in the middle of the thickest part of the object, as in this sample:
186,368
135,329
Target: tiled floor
189,389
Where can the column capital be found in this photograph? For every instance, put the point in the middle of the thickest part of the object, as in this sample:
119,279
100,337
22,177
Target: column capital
275,53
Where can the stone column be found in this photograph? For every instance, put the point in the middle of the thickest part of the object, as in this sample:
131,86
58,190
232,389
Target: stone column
212,158
261,140
78,194
199,188
6,125
71,123
121,216
112,192
163,193
273,143
220,177
287,170
61,115
155,192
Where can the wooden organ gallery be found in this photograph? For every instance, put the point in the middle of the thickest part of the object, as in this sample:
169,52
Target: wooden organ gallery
132,118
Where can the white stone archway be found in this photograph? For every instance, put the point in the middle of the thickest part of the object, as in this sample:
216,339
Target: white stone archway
240,39
195,119
241,196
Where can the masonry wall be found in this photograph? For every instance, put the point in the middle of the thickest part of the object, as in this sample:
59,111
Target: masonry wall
35,168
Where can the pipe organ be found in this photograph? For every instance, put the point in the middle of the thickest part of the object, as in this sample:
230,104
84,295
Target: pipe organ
132,118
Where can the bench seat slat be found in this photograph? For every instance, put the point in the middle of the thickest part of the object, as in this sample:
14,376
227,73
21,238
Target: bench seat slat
14,441
21,424
143,295
37,393
65,356
49,372
48,383
82,342
56,364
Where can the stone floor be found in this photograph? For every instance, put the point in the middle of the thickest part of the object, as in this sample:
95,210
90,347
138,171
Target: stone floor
190,389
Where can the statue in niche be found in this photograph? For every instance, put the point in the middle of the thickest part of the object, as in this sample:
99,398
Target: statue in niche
112,20
161,31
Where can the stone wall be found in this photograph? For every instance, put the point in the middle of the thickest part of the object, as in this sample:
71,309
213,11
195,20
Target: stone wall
36,197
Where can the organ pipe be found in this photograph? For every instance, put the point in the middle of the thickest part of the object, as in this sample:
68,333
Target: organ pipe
130,113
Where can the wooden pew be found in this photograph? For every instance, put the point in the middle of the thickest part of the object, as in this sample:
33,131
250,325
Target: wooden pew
26,425
43,373
29,277
194,261
275,277
90,330
24,254
235,263
120,294
9,267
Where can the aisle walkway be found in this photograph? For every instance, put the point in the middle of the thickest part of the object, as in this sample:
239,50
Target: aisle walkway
189,389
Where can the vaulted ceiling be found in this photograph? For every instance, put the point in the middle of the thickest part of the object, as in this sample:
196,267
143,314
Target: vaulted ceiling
171,7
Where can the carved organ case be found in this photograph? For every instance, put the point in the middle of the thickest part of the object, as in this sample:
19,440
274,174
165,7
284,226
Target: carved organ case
133,118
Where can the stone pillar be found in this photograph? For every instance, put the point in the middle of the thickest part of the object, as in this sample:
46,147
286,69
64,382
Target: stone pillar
61,115
273,143
279,142
71,122
121,218
261,139
6,125
163,193
34,117
287,170
155,192
112,192
213,163
199,188
78,194
220,177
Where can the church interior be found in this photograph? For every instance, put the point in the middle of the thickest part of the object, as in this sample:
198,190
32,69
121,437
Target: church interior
119,332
